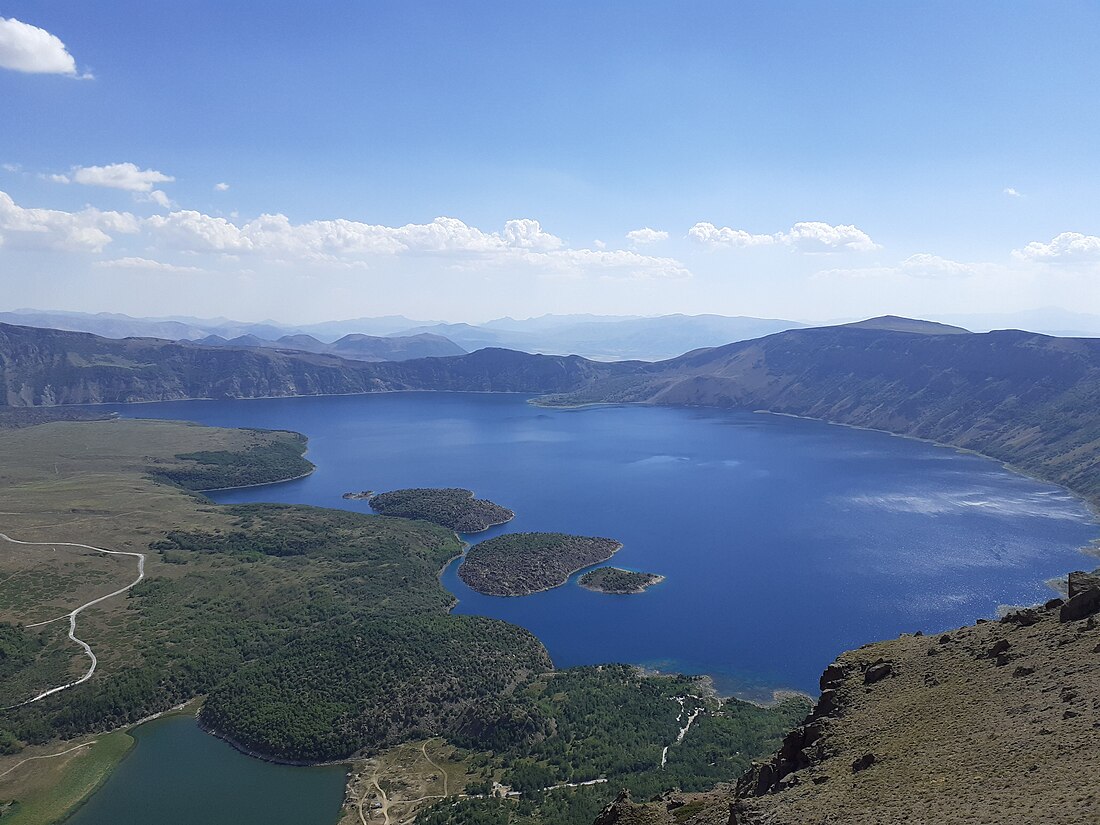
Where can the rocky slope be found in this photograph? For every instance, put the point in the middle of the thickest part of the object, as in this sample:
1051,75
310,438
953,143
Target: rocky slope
993,723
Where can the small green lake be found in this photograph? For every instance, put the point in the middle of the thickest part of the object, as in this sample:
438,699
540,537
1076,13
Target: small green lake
178,775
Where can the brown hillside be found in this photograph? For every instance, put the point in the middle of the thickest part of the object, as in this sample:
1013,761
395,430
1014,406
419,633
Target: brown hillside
994,723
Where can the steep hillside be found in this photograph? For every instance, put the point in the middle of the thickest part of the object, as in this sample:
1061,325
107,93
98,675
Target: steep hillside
40,367
1023,398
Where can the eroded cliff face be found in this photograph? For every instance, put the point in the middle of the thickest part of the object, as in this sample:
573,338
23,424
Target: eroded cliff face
997,722
41,367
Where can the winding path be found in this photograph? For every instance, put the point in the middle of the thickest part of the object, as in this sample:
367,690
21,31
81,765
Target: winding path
46,756
73,614
432,762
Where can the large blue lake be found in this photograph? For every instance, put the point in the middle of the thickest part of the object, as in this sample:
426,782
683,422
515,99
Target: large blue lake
783,541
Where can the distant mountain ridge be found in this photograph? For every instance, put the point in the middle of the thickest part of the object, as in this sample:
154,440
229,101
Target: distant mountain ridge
610,338
355,347
603,337
898,324
43,367
1026,399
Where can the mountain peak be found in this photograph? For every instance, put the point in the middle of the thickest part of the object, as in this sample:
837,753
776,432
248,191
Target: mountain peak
896,323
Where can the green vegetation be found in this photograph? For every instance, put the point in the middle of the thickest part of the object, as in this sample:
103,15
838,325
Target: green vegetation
53,787
618,581
517,564
612,722
338,690
29,659
277,460
450,507
315,634
325,635
17,649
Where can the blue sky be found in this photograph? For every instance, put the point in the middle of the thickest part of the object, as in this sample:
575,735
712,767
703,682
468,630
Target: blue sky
806,160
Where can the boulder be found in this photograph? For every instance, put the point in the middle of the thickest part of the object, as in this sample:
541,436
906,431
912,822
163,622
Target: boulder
878,672
998,648
1082,604
863,763
1025,617
1080,581
833,676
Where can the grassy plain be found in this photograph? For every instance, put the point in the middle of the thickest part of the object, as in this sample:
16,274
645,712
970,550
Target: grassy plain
50,784
87,483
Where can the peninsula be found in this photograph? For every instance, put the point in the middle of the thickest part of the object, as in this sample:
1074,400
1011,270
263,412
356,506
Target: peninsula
450,507
519,564
617,581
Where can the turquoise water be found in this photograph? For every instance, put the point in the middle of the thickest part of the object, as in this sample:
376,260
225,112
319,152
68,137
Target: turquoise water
178,775
784,541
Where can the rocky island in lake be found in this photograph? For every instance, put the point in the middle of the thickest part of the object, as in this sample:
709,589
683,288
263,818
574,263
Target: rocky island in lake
362,495
618,581
450,507
518,564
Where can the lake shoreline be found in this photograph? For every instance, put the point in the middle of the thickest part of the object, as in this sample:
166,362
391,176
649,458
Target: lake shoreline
535,399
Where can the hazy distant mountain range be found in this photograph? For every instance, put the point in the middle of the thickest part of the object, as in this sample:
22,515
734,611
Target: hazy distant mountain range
610,338
593,336
1048,320
356,347
600,337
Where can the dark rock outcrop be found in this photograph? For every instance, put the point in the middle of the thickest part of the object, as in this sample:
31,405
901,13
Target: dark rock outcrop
1086,603
1080,581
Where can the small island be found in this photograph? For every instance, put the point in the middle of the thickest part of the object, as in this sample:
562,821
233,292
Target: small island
450,507
618,581
362,495
518,564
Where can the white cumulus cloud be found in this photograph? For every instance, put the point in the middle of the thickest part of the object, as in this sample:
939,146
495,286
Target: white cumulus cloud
221,187
1064,248
522,243
812,235
1012,193
159,197
710,235
808,236
646,235
116,176
87,230
333,239
27,48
